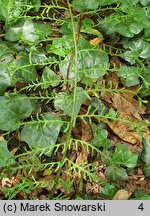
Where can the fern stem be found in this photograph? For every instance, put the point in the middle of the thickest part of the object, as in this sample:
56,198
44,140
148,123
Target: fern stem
66,146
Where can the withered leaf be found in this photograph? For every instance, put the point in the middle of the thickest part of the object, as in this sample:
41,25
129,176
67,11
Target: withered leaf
128,105
124,129
82,157
122,195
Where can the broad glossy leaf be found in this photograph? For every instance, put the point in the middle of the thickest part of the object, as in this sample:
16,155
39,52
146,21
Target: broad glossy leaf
42,133
130,56
115,173
66,28
124,156
140,16
134,49
90,4
13,110
87,25
109,190
94,64
136,27
6,53
36,4
22,30
42,30
129,75
116,23
145,2
64,101
10,9
60,46
27,31
139,193
4,80
98,106
147,170
146,151
144,90
38,56
147,11
147,34
91,63
6,158
106,2
100,137
129,2
49,78
85,5
23,70
126,25
146,74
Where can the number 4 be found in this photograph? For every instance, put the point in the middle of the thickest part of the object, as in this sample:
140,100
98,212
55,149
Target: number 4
141,207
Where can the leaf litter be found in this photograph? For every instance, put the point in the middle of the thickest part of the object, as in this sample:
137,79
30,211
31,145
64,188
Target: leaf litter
81,137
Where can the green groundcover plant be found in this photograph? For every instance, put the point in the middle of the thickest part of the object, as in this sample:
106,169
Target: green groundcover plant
48,72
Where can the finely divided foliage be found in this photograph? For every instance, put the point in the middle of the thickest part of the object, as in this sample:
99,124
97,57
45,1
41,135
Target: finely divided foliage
74,76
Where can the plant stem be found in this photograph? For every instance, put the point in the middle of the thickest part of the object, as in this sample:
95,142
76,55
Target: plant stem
69,139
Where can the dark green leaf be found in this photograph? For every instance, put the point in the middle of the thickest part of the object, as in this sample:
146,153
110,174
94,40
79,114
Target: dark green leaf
49,78
4,80
27,31
10,9
146,151
66,28
42,30
138,48
132,22
124,156
36,4
145,2
24,70
147,34
6,53
98,106
100,137
147,170
60,46
6,158
90,4
115,173
139,193
85,5
13,110
142,198
129,75
109,191
42,133
87,25
92,64
64,101
130,2
38,56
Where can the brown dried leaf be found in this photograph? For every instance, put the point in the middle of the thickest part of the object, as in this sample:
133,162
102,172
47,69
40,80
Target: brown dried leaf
127,105
95,41
106,96
82,157
6,182
113,79
122,195
125,130
93,187
87,133
115,62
